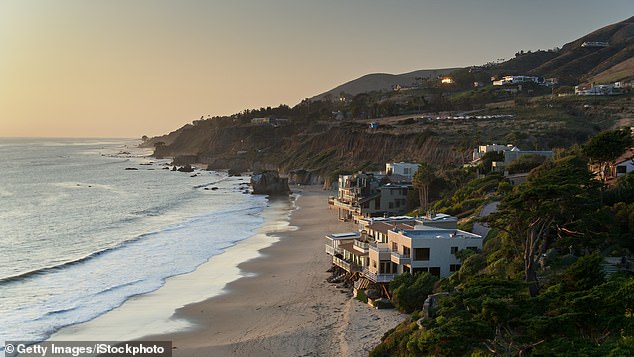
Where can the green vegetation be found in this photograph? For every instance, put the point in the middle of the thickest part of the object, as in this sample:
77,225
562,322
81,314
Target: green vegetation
539,286
469,197
410,291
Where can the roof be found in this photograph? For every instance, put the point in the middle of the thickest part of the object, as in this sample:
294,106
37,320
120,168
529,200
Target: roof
627,156
343,236
437,217
396,178
427,232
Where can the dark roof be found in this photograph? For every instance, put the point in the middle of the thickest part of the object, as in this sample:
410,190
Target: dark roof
350,248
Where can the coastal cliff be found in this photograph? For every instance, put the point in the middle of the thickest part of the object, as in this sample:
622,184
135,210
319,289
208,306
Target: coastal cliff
307,152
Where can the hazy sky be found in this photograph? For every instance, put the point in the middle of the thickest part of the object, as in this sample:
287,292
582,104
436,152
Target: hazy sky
125,68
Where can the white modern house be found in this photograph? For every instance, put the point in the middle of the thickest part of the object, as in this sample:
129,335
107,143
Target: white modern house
406,169
598,89
483,149
515,153
624,164
508,80
386,247
423,249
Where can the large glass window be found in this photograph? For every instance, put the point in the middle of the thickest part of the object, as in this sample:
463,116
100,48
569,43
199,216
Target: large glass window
421,253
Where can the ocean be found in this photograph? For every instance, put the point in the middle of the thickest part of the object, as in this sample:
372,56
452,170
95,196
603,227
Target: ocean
81,232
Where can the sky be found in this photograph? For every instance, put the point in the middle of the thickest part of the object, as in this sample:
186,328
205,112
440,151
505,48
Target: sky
127,68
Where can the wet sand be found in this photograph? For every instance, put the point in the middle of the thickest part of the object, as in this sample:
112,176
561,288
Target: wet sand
283,305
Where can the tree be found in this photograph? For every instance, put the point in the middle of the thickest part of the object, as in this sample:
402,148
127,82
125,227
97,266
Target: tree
421,181
553,202
410,291
606,147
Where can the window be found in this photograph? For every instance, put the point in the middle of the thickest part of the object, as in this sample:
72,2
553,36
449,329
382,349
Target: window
454,267
406,251
454,250
421,253
435,271
377,204
391,204
475,249
394,246
621,169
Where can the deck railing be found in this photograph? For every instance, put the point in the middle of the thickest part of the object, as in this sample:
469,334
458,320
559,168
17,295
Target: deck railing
401,258
347,266
378,278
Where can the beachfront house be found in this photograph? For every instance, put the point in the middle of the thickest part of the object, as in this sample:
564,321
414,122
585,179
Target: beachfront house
386,247
376,228
348,250
365,195
422,249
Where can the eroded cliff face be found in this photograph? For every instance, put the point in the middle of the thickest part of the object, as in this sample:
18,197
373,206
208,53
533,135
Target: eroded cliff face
309,153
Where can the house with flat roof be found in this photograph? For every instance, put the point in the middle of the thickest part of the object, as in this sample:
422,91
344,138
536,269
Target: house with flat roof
483,149
597,89
405,169
507,80
423,249
386,247
515,153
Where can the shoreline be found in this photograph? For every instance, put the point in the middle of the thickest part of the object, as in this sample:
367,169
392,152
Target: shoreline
153,312
282,304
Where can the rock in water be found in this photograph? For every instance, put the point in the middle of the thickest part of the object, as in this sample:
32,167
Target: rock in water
186,168
269,183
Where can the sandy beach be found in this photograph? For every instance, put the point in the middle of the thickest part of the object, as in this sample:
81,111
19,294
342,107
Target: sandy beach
283,305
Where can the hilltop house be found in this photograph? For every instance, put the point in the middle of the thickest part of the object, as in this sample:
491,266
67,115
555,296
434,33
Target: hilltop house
364,195
598,89
483,149
386,247
623,165
507,80
514,154
272,121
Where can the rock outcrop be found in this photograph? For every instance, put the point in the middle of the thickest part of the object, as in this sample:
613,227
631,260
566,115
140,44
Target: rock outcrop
269,183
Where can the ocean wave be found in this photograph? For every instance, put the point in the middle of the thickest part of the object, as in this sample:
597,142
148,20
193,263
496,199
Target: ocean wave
58,267
249,211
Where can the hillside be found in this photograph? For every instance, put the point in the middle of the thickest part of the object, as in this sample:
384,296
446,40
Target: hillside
383,82
574,63
428,122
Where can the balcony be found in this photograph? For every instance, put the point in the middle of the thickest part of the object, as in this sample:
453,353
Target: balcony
382,250
401,258
378,278
347,266
332,250
362,246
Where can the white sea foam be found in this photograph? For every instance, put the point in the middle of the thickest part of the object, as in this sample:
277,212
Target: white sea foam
72,253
